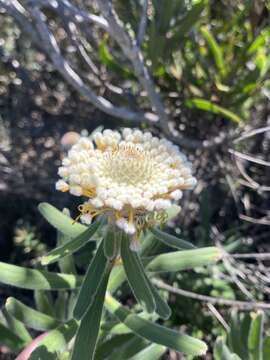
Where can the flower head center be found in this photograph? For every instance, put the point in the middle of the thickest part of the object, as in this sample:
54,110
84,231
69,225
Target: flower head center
128,164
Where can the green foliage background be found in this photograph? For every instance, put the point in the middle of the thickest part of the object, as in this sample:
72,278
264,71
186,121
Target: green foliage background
210,60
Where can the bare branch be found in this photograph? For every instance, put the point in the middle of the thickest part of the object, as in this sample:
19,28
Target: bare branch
143,24
261,221
133,53
257,256
48,42
249,158
219,317
251,133
245,305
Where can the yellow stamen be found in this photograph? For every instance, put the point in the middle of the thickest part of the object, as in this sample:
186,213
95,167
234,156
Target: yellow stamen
130,219
100,146
117,215
89,192
118,261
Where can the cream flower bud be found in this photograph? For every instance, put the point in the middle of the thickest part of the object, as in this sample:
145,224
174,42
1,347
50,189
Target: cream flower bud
76,190
61,185
63,171
176,194
86,218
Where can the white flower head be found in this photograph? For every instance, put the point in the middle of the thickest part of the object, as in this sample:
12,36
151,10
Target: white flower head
126,174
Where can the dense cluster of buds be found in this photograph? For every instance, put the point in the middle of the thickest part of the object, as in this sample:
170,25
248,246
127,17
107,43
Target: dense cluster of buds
127,175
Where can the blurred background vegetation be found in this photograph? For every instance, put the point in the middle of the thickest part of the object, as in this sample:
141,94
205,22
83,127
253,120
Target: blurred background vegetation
210,61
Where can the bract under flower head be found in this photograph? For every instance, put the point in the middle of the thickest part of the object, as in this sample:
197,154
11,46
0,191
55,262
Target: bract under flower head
128,174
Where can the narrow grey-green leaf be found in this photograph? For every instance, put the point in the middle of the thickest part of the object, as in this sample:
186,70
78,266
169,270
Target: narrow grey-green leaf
152,352
17,327
111,242
61,221
171,240
62,304
71,246
129,349
30,317
66,264
222,352
36,279
121,328
255,337
56,340
136,276
172,212
92,280
266,348
236,338
162,308
44,302
114,343
11,340
87,334
182,260
154,332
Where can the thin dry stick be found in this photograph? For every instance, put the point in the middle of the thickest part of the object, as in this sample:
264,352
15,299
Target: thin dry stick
230,269
251,133
219,317
245,305
143,23
261,221
249,158
265,256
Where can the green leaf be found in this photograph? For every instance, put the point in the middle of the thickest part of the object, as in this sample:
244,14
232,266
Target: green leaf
215,50
92,280
44,302
236,338
187,22
255,338
140,283
222,352
108,60
172,212
152,352
259,41
119,328
60,221
55,341
17,327
155,333
114,343
71,246
136,276
66,264
62,303
266,348
213,108
162,308
11,340
87,334
171,240
111,242
30,317
36,279
183,260
129,349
